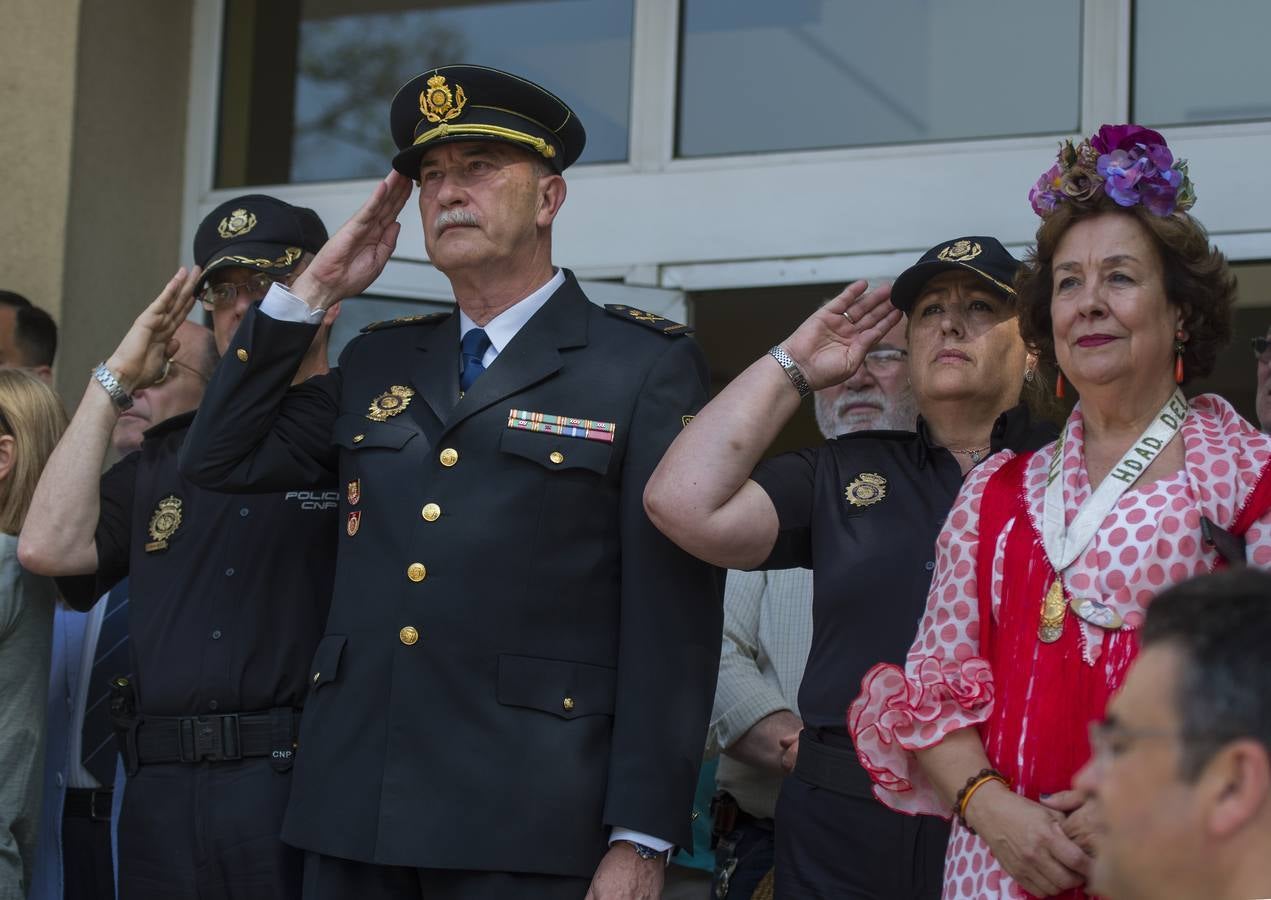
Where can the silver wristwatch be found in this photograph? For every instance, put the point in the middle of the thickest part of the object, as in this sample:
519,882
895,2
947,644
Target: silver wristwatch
121,398
792,370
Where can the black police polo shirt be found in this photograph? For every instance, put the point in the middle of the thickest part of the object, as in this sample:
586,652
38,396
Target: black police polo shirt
228,593
863,511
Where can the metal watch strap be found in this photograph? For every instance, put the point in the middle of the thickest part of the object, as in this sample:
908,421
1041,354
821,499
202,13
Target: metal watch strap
103,376
792,370
644,851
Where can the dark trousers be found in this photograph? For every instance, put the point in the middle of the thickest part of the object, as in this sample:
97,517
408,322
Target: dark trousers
207,831
88,867
742,858
331,878
843,847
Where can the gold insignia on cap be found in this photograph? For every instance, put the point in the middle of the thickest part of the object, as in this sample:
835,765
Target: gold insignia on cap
165,521
438,103
390,403
868,488
236,224
960,251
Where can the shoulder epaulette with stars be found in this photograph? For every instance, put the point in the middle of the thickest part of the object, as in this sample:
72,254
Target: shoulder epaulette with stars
648,320
422,319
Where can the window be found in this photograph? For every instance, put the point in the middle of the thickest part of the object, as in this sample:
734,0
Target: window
760,76
306,84
1201,62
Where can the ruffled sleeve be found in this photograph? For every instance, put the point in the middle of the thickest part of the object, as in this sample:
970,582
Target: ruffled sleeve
945,684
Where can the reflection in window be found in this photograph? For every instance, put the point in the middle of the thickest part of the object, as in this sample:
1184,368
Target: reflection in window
1201,62
306,84
761,76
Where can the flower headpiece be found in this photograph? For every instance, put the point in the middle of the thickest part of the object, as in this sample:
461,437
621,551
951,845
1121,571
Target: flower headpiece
1129,163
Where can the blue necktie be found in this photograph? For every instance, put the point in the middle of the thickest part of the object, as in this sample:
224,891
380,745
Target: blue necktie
97,737
472,348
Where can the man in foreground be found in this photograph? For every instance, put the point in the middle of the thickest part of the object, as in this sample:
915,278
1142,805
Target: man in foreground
1181,766
512,695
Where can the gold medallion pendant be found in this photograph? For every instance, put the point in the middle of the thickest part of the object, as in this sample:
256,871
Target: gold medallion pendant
390,403
164,523
868,488
1053,609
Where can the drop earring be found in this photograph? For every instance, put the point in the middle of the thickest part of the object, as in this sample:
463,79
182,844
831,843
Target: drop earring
1179,344
1059,386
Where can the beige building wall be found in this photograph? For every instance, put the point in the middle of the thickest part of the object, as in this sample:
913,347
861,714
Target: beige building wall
94,97
38,43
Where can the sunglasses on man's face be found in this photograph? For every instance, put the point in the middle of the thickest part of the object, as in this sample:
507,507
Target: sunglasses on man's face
1261,346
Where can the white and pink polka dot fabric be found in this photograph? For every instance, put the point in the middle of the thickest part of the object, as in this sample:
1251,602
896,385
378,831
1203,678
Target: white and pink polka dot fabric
1150,540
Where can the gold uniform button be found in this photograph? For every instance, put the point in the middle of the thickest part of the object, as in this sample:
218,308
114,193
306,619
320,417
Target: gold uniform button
241,354
431,512
359,438
408,635
416,572
568,703
449,457
556,456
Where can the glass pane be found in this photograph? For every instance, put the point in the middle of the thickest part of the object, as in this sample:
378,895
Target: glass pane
306,84
1201,62
760,76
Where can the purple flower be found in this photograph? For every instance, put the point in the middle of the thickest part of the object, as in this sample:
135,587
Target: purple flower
1044,196
1125,137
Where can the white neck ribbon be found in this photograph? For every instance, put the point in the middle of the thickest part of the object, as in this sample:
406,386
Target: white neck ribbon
1065,543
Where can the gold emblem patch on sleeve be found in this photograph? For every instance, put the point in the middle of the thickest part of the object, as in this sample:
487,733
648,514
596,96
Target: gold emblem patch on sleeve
868,488
390,403
164,523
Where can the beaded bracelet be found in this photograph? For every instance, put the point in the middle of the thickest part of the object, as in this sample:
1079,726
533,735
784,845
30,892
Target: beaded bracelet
973,784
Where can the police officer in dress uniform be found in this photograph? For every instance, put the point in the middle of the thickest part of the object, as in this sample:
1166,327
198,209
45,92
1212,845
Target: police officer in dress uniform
512,694
229,593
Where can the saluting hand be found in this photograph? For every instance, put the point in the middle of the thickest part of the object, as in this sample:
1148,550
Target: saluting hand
356,254
142,356
831,344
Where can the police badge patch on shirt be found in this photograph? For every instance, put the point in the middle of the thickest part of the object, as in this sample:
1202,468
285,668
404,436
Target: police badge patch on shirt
866,489
164,523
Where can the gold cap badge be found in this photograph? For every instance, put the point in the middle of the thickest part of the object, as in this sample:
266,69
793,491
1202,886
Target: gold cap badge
236,224
438,103
960,251
390,403
164,523
868,488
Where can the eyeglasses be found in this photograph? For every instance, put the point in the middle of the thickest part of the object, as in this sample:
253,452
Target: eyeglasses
884,361
1261,346
1109,740
167,370
220,296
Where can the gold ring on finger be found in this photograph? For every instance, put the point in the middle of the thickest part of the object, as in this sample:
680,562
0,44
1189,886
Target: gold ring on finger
849,317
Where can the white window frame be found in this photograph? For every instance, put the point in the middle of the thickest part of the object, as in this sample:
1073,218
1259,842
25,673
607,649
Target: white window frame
817,216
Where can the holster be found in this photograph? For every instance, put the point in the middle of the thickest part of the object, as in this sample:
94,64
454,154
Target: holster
124,718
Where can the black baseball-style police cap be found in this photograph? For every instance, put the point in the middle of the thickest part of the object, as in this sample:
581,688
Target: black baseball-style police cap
256,232
985,256
477,103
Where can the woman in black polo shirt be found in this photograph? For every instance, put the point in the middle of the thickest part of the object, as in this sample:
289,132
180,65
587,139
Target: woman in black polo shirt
863,511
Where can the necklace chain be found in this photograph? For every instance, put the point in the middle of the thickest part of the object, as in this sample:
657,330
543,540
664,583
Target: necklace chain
976,453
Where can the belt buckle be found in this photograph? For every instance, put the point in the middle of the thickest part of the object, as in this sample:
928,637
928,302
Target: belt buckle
93,813
211,738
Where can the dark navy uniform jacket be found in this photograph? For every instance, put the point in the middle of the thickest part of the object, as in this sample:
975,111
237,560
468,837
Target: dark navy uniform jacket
516,659
228,594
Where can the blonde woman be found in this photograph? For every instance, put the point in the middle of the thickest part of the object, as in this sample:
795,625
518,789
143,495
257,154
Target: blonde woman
31,421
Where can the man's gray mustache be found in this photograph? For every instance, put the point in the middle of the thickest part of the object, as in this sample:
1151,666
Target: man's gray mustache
451,217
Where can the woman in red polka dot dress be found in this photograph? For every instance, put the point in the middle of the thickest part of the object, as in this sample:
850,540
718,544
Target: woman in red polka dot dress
1049,560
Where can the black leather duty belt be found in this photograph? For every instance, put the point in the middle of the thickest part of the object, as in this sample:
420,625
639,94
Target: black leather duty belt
88,803
216,738
828,760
